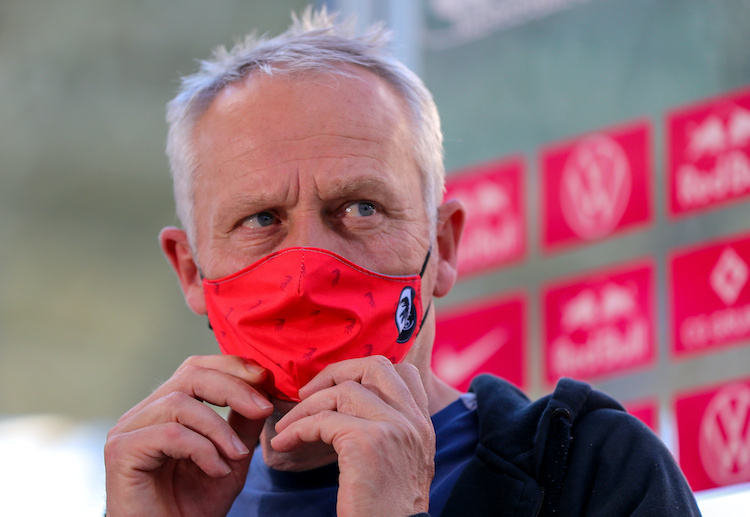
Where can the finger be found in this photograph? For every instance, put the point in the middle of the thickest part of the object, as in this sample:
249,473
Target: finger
376,373
325,427
240,367
247,430
203,384
234,366
413,380
149,448
350,398
196,416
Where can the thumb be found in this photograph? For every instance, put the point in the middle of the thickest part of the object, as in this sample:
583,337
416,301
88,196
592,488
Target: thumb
248,430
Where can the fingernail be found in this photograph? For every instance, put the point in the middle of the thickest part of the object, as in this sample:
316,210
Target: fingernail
253,368
239,445
261,402
225,468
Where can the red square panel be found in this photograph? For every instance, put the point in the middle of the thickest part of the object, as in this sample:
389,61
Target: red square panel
600,324
596,186
713,427
708,161
487,337
495,229
710,295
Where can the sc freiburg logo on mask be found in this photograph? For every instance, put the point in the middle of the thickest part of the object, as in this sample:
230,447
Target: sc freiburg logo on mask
406,315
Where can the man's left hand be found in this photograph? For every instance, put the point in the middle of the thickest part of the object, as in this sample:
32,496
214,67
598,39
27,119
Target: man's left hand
375,415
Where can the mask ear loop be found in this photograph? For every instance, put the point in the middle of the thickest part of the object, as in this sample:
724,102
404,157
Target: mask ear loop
429,305
202,277
426,261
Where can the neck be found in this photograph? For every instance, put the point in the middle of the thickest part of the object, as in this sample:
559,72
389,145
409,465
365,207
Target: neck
439,394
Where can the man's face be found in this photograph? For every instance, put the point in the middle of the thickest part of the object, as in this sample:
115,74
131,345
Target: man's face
313,160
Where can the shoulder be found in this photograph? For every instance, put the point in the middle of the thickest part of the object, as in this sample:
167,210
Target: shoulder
504,408
619,466
590,425
583,449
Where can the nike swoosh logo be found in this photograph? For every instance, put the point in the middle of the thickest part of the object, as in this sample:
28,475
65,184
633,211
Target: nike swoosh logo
455,367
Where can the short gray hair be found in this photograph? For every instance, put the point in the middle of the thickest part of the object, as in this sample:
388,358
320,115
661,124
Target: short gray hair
315,42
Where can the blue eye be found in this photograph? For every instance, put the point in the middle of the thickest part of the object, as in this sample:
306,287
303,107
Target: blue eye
259,220
361,209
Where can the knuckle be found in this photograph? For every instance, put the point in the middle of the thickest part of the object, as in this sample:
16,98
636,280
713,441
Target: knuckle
349,386
193,359
185,377
380,361
112,445
193,363
190,361
113,433
176,400
406,368
116,448
187,369
172,431
321,416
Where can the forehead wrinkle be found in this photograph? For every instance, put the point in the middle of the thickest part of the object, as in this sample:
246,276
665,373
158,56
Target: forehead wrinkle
261,158
340,188
379,142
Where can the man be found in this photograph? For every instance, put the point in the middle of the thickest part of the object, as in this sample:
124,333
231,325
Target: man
308,178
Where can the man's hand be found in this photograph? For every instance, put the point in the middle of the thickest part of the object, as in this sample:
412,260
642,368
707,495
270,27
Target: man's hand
172,455
375,415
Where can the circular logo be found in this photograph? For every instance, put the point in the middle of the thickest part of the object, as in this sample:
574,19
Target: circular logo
406,314
724,441
595,187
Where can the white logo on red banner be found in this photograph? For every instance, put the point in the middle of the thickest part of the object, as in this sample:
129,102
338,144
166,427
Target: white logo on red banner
596,186
714,433
484,338
725,436
710,296
729,276
602,324
494,232
709,153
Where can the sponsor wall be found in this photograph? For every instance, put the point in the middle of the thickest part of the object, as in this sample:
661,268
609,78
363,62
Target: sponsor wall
603,322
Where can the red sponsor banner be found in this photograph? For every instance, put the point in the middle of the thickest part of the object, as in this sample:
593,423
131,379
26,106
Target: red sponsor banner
487,337
647,411
708,161
494,233
600,324
710,295
713,428
596,186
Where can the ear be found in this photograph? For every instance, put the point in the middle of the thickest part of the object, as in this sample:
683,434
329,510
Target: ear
451,218
176,247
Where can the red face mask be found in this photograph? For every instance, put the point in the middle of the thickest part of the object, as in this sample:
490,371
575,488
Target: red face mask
300,309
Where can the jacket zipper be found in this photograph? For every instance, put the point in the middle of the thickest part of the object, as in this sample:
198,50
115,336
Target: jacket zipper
539,506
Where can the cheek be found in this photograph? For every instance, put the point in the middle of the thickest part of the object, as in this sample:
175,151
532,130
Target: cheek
398,251
220,262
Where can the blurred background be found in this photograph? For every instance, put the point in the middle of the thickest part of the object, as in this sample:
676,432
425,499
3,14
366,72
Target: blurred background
91,316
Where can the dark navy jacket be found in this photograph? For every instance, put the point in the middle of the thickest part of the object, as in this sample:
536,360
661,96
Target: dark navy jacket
574,452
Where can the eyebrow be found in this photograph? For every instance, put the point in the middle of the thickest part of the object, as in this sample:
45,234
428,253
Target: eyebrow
249,201
358,186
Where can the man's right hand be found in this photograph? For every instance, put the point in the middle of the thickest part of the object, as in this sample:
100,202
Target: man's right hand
172,455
